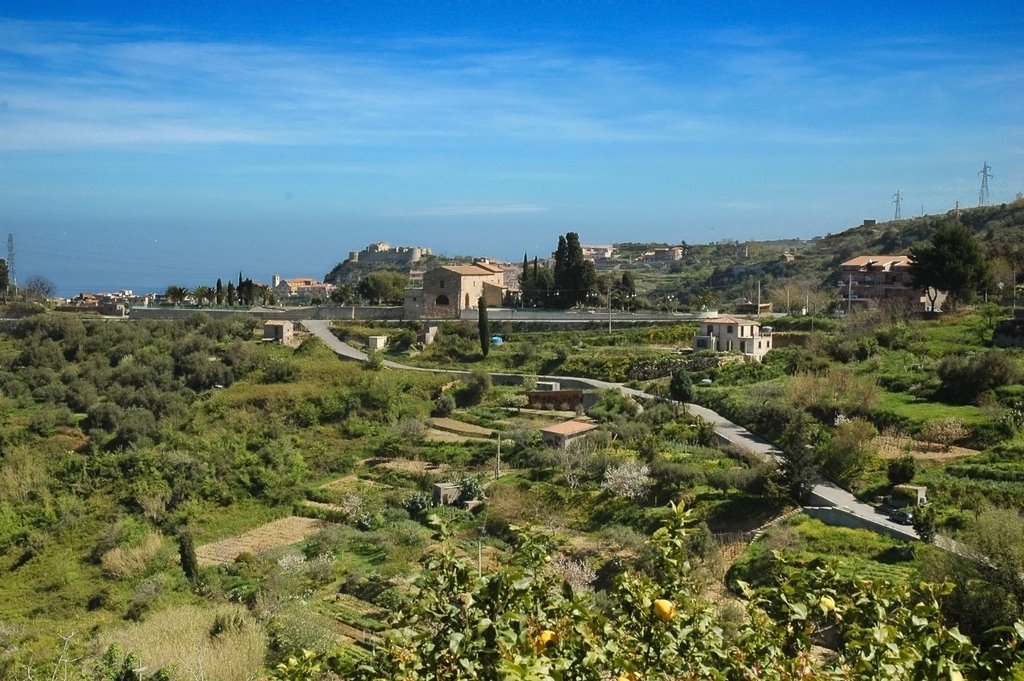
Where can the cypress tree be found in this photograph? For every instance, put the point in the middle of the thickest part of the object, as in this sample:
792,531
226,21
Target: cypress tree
524,280
562,283
189,561
484,326
575,270
219,292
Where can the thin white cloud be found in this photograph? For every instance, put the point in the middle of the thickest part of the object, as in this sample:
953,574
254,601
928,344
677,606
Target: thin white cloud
74,85
460,210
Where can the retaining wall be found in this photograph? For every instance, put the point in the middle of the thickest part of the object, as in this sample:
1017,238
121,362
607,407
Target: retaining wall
832,515
290,314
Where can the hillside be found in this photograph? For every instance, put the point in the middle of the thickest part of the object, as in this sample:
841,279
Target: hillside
730,270
800,270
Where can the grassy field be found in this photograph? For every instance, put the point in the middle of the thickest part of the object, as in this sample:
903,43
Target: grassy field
854,553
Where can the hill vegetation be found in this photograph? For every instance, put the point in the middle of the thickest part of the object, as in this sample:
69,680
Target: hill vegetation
121,440
173,486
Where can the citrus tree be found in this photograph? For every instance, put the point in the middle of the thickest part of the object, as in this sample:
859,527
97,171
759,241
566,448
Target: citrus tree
517,623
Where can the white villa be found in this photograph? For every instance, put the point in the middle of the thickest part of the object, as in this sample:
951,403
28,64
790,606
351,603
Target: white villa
734,334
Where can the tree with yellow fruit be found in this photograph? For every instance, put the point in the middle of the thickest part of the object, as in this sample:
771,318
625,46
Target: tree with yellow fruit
516,624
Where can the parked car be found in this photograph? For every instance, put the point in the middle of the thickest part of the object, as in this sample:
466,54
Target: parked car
902,517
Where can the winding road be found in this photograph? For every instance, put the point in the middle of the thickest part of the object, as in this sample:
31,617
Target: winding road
824,494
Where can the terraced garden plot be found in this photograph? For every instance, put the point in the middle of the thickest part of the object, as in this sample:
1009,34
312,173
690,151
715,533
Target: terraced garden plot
263,538
891,447
351,483
460,428
435,435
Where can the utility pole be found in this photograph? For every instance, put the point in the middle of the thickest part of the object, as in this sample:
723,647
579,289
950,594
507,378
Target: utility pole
609,311
897,200
758,297
849,292
983,192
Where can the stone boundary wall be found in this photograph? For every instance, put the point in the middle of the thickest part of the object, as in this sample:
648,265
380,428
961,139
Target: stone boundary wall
290,314
832,515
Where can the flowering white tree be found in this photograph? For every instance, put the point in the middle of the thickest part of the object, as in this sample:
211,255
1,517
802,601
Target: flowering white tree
575,460
577,573
630,479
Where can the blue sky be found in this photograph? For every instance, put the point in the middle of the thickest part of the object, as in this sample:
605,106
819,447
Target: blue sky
144,144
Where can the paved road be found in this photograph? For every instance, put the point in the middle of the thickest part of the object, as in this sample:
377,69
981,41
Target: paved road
823,494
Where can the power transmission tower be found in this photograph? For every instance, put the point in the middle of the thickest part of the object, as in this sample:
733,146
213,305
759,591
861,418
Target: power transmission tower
12,278
985,175
897,200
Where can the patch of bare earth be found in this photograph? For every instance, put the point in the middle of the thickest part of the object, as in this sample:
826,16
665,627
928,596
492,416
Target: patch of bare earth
895,446
460,428
349,483
435,435
408,466
263,538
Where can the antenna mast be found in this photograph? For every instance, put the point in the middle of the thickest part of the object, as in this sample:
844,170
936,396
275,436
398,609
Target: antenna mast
897,200
985,175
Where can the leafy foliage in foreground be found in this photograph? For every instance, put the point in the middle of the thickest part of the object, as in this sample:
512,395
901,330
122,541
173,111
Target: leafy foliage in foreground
516,624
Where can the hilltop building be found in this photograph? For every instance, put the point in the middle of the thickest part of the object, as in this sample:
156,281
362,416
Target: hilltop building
382,253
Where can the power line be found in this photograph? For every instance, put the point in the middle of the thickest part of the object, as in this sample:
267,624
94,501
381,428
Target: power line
983,192
898,200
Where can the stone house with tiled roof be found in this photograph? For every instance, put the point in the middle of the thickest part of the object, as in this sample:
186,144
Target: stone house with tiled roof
449,289
563,434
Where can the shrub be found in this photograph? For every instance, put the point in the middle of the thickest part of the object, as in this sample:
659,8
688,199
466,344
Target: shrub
279,371
902,470
129,561
964,379
681,387
444,405
474,388
945,432
849,452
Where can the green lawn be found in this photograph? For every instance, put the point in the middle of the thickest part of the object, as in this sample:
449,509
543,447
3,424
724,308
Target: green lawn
921,411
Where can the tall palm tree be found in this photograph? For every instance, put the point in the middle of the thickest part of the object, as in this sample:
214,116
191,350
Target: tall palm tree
203,294
176,294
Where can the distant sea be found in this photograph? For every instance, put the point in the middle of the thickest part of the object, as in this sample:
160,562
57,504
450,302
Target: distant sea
110,286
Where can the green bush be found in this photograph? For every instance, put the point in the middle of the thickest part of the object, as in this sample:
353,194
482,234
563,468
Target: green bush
902,470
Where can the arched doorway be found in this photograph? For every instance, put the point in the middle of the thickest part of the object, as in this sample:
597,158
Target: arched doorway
442,300
467,302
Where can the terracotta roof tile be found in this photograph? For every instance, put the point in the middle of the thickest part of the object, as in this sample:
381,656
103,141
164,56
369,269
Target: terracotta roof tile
569,428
